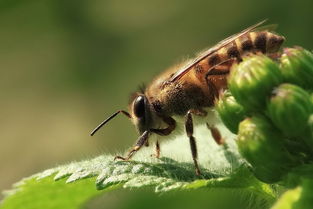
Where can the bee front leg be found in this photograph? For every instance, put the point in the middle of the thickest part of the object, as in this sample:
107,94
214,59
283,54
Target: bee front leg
163,132
192,141
140,142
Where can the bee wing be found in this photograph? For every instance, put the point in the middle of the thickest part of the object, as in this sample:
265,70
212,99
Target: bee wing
219,45
270,28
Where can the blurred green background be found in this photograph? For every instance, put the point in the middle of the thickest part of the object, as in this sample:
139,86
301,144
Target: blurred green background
67,64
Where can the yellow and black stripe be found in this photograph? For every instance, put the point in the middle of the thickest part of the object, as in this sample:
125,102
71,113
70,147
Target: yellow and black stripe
253,42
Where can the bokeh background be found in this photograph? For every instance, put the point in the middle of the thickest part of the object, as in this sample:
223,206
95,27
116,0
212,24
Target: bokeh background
67,64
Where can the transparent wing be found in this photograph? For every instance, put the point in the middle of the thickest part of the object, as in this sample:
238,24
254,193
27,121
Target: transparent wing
218,46
270,27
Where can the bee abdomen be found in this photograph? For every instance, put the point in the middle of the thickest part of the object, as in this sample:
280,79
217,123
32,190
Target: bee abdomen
233,51
274,42
264,42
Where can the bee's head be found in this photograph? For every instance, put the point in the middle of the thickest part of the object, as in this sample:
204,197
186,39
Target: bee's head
141,113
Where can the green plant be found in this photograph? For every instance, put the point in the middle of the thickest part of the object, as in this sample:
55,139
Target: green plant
270,153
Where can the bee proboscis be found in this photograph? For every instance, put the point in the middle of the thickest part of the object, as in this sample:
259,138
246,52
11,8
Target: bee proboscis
187,89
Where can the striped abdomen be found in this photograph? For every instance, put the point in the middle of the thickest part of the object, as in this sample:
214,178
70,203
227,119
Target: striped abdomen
253,42
212,70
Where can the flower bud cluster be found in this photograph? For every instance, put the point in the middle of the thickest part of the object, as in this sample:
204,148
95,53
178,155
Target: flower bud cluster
270,106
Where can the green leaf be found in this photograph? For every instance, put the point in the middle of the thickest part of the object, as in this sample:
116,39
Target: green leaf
48,193
287,199
71,185
300,197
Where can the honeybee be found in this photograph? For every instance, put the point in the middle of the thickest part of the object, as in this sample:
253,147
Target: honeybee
189,88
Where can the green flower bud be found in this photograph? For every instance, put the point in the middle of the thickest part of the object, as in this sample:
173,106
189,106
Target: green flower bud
252,81
306,198
297,174
267,174
297,67
263,147
289,108
230,111
307,137
310,124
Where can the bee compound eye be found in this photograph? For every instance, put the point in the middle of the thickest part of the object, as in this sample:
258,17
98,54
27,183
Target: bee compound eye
139,107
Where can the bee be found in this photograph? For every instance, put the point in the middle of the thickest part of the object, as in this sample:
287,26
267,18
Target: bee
189,88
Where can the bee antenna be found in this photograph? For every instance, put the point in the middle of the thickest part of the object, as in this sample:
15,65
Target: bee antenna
108,119
142,88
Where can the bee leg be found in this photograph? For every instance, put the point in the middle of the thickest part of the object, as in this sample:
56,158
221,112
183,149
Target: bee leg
157,150
216,134
166,131
216,77
223,68
163,132
147,143
192,141
140,142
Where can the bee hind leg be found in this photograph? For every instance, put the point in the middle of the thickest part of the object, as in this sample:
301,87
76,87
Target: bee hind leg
192,141
216,134
140,142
